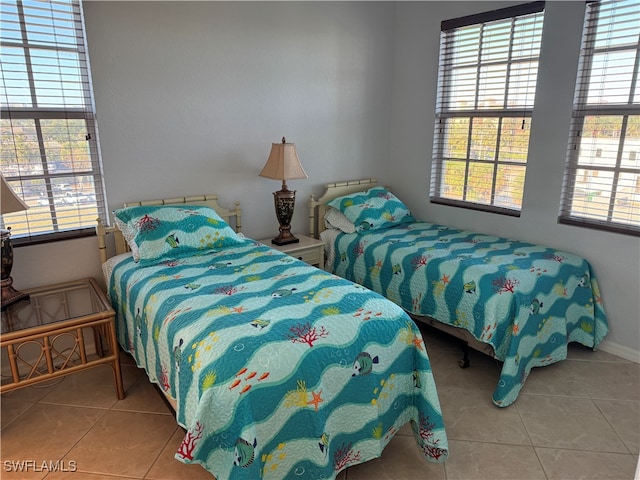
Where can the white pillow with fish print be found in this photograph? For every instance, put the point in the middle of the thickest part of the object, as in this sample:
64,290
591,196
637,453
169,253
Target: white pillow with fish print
161,232
129,234
334,218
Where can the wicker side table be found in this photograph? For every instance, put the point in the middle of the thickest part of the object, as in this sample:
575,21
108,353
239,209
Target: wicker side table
45,335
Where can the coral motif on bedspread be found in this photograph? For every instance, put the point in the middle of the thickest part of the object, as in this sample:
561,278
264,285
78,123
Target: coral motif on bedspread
526,300
279,370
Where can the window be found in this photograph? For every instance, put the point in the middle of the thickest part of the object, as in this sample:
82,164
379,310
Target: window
603,191
50,154
486,89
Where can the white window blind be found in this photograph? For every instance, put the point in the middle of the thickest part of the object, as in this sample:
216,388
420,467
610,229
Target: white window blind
50,154
488,72
602,176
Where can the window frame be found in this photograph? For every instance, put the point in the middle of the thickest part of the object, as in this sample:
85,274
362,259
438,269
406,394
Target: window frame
582,110
52,111
443,115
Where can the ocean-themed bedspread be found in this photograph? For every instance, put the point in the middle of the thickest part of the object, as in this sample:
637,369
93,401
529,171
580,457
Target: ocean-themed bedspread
527,301
279,370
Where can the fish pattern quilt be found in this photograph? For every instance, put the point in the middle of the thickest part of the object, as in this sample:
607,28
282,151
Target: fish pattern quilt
527,301
279,370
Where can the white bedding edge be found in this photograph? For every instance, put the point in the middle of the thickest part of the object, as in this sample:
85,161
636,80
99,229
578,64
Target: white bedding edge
107,271
328,236
109,265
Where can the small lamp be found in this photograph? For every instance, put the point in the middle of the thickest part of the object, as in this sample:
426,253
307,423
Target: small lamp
283,164
9,202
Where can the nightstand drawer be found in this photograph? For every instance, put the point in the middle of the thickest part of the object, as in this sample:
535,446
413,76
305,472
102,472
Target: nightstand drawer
307,249
310,255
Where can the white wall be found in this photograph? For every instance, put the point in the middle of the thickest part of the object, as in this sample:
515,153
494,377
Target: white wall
615,257
190,95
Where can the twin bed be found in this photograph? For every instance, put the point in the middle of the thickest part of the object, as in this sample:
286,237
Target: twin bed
519,302
274,368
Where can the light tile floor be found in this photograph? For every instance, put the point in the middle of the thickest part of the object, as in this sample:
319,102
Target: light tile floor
578,419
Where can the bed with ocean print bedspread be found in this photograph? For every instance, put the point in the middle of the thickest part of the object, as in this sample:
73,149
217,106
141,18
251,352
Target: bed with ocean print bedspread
522,302
278,369
527,301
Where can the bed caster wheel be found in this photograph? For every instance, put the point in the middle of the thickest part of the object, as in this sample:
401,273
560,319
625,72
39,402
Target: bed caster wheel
464,363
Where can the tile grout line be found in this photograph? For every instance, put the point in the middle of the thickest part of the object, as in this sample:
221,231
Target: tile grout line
612,427
104,412
535,451
160,453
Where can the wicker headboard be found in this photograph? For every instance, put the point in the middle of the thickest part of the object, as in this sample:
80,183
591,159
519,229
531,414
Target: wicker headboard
318,207
200,200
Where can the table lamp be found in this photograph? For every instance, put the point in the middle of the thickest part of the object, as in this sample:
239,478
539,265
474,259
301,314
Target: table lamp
283,164
9,202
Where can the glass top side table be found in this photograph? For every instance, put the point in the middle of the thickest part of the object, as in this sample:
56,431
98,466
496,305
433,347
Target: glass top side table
45,335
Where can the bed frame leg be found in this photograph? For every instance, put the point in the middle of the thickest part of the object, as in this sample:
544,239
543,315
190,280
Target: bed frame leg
464,363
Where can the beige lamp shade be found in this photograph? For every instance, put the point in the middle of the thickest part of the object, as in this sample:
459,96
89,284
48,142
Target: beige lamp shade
283,163
9,201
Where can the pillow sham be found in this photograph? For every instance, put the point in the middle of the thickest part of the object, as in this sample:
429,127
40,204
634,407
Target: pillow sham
373,209
129,235
334,218
157,232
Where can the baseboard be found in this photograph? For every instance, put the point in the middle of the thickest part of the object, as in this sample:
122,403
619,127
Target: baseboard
620,351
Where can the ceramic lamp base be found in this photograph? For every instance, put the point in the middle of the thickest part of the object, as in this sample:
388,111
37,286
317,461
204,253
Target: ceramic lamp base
284,201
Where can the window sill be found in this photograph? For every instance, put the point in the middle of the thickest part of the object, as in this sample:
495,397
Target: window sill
52,237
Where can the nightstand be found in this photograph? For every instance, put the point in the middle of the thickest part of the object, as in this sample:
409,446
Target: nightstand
45,335
308,249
